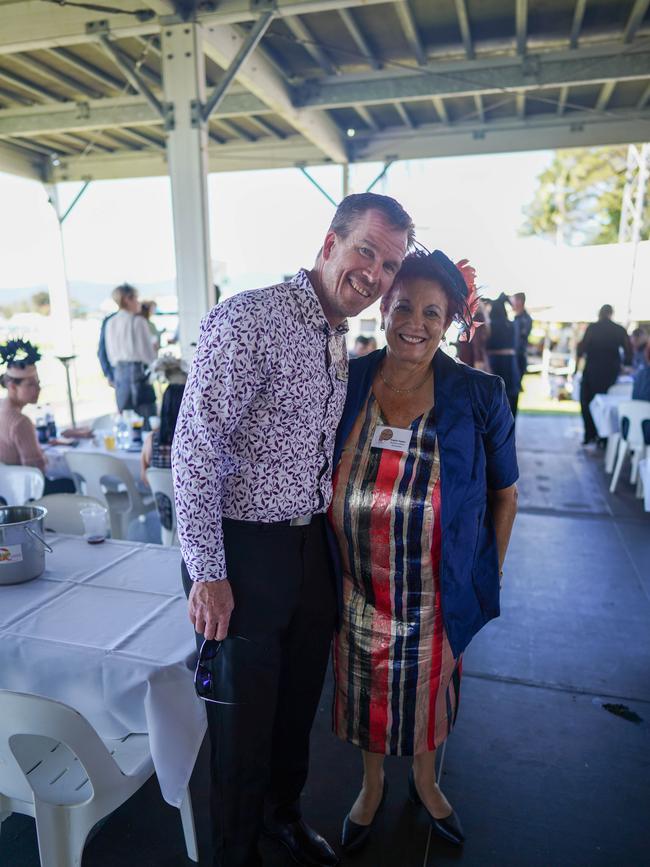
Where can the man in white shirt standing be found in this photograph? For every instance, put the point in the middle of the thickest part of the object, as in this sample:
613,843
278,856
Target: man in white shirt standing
130,351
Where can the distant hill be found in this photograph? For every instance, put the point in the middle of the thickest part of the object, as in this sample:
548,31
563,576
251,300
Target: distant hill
90,296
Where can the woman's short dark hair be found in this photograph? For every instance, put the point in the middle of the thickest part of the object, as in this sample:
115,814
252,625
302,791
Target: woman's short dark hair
438,268
171,405
352,207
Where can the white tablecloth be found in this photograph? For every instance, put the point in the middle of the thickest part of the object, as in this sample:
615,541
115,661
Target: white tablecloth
604,411
57,466
105,630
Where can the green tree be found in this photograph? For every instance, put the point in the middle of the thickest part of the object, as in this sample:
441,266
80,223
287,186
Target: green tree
41,302
578,197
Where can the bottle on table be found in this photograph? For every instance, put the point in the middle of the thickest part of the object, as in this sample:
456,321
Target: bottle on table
50,423
41,426
122,433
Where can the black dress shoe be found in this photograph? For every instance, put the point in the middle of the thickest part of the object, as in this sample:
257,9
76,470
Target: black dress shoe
448,828
305,846
354,836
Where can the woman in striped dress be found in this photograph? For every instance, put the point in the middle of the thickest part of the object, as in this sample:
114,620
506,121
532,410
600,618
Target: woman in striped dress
397,671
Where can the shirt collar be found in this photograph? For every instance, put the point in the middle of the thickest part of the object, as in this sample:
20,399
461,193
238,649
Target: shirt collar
310,306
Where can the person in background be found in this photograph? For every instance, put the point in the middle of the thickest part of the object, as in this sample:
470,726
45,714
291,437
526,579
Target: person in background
18,439
641,387
523,323
424,502
130,351
157,447
252,465
640,343
147,310
500,348
361,347
604,345
474,352
107,367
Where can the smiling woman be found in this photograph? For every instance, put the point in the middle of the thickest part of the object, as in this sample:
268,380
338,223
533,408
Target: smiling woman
423,506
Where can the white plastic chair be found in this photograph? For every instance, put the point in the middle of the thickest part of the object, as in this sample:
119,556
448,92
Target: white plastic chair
64,512
636,412
104,422
162,486
20,484
624,389
123,506
56,768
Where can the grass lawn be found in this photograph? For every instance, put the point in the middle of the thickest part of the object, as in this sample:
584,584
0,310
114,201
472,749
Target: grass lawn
533,400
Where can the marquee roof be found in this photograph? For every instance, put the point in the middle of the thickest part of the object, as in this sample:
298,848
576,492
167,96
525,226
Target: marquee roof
329,81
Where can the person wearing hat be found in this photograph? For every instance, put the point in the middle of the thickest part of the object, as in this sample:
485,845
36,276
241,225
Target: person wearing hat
423,505
18,439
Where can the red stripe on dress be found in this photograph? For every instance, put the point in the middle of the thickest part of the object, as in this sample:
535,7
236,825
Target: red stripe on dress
380,543
438,626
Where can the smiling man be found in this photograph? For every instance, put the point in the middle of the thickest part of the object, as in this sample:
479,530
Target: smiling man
253,477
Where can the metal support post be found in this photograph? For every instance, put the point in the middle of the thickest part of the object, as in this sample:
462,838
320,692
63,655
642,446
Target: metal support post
131,73
247,47
345,179
382,174
187,143
317,185
58,280
632,210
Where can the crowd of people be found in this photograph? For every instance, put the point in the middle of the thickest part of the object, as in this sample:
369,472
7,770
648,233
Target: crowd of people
500,344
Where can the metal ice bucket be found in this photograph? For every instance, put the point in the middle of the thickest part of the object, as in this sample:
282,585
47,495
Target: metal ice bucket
22,546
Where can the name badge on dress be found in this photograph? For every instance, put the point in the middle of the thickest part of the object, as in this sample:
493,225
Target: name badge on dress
397,439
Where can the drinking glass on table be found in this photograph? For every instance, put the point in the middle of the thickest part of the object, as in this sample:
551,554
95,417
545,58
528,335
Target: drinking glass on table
95,520
109,442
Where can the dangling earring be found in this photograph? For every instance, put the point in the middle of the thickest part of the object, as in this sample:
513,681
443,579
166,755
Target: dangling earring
381,326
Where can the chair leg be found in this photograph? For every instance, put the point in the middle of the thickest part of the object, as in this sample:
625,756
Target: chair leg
634,471
610,451
60,840
189,831
622,451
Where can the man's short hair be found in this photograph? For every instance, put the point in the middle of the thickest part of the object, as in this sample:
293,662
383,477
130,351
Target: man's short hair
639,332
122,293
352,207
520,296
606,311
362,339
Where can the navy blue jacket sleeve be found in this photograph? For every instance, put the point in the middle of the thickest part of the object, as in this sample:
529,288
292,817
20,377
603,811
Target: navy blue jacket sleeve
499,439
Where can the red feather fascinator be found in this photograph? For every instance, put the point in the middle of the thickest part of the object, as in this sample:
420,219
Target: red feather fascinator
473,298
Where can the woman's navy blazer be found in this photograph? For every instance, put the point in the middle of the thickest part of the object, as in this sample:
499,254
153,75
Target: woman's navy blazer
476,441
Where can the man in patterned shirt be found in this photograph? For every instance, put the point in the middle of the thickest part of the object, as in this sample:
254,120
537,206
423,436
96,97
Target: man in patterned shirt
252,460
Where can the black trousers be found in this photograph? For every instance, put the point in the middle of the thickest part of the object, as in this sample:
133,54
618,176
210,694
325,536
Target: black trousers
285,605
593,383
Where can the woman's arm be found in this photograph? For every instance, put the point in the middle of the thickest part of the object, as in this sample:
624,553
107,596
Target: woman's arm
503,507
26,441
145,458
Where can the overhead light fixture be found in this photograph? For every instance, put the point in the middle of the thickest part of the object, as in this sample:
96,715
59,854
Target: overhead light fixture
351,132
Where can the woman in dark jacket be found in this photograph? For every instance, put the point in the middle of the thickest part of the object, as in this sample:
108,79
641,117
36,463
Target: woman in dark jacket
423,507
501,350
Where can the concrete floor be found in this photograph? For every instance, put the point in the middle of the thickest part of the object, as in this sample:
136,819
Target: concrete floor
541,774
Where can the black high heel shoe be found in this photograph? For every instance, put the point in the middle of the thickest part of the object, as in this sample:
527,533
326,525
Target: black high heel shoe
448,828
355,836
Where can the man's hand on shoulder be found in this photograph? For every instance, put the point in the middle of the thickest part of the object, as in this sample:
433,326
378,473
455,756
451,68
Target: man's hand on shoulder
210,606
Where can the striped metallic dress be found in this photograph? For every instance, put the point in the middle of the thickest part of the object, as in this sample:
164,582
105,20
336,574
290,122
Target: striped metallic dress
397,682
